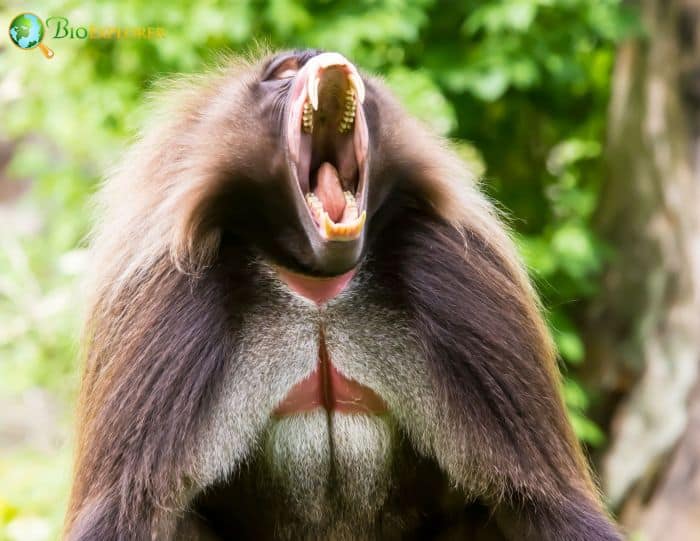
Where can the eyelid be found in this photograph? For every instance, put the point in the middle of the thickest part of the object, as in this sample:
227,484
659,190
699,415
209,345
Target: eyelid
286,73
283,68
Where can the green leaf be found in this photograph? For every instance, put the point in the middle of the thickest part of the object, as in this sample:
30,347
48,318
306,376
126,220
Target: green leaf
538,255
574,247
489,85
423,98
586,430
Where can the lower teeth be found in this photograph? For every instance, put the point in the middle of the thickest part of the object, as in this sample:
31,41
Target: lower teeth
316,206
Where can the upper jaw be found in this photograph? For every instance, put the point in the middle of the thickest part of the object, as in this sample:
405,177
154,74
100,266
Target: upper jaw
327,153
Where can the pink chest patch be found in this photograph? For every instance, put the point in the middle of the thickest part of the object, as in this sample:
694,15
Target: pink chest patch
318,290
327,388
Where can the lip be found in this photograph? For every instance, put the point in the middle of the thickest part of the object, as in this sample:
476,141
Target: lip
327,388
337,242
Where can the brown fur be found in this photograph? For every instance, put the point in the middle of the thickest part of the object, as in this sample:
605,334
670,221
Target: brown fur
177,276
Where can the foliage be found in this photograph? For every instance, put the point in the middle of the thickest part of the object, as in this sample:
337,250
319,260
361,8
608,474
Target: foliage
521,85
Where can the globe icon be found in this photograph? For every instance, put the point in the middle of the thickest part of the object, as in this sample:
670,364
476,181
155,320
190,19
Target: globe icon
27,31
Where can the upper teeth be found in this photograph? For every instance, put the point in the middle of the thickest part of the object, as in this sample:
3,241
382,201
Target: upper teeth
307,118
347,120
349,112
357,84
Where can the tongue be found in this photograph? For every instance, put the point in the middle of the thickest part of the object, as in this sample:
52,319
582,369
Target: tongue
329,191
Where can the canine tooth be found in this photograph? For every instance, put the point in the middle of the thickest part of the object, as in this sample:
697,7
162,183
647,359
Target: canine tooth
312,88
327,225
360,222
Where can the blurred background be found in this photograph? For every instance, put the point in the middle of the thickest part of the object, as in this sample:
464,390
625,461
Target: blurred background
581,116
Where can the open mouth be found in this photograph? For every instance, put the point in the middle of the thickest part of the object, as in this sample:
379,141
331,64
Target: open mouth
327,140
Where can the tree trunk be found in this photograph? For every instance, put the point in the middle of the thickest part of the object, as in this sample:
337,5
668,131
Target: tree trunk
643,331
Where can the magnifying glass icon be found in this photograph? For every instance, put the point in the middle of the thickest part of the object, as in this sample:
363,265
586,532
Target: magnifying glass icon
27,31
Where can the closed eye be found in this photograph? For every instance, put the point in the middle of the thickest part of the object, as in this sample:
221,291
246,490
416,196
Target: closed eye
286,69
